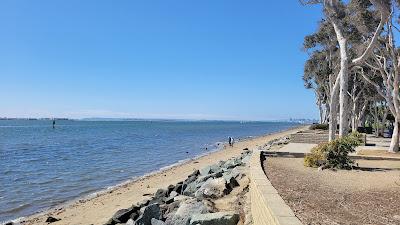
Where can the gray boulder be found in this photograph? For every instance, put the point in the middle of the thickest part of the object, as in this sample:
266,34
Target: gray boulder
123,215
179,187
190,189
219,218
204,178
235,172
229,164
212,188
130,222
230,184
246,159
171,197
149,212
215,168
206,170
186,209
157,222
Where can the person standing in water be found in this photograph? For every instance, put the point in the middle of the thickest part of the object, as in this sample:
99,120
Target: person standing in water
54,123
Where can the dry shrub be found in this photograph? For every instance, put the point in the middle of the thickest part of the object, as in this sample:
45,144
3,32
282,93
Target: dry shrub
334,154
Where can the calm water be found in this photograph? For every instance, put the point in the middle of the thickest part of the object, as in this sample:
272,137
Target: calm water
41,167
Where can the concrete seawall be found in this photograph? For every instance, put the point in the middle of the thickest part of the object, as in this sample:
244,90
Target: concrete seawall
267,206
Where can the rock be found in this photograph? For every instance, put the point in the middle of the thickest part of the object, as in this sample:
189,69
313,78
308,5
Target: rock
212,188
201,179
51,219
206,170
123,215
171,197
170,188
172,206
143,203
396,217
185,211
179,186
181,198
235,172
190,189
190,179
149,212
130,222
157,222
215,168
173,194
231,184
237,162
219,218
229,164
161,193
246,159
195,173
134,215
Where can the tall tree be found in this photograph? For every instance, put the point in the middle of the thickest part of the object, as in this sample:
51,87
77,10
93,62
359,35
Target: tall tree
336,13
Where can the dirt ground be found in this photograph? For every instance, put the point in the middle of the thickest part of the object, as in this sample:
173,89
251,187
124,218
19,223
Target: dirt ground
368,196
378,153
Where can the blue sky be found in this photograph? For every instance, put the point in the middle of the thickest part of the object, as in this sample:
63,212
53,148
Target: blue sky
209,59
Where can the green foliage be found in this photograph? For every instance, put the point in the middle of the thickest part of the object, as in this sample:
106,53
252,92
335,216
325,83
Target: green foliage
319,127
334,154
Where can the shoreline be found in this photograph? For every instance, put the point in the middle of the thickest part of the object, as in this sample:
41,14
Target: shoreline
107,199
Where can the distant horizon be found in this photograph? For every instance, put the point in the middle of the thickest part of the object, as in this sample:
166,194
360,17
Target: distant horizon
152,119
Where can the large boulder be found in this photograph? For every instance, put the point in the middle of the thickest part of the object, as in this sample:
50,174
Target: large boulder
190,189
179,187
204,178
186,209
205,171
212,188
171,197
149,212
246,159
157,222
235,172
123,215
229,164
219,218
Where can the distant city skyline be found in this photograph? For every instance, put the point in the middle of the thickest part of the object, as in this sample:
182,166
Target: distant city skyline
226,60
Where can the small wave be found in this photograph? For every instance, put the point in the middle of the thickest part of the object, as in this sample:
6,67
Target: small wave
17,209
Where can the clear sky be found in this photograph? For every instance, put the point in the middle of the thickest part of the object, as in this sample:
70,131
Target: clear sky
205,59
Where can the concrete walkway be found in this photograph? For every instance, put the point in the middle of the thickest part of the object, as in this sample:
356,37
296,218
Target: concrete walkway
296,148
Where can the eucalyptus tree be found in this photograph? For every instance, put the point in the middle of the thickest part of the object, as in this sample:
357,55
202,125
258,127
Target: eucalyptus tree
320,72
339,15
318,69
383,74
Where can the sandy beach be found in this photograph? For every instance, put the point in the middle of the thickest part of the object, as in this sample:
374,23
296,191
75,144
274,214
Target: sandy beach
99,209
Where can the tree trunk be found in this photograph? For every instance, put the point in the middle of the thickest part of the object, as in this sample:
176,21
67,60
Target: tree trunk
344,81
394,144
376,120
333,121
321,113
333,112
385,113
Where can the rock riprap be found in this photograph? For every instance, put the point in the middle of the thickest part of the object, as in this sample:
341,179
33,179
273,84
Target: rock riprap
190,202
